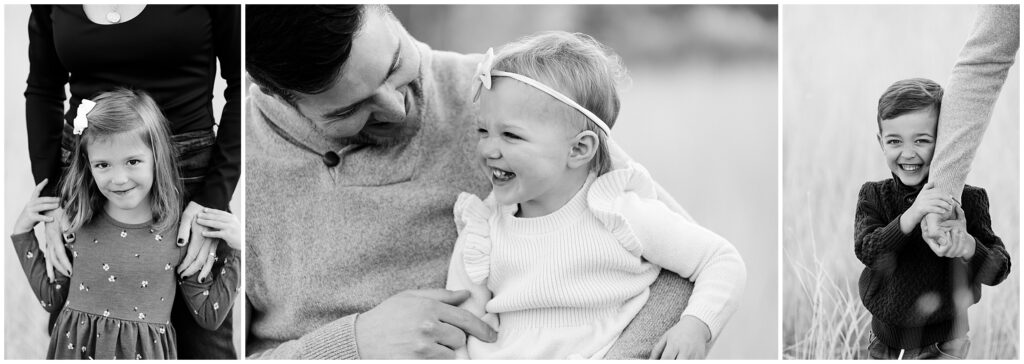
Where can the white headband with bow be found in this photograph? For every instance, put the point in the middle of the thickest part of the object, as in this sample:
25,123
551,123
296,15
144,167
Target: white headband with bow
484,73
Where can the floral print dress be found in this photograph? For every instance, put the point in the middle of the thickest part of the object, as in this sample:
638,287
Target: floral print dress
117,303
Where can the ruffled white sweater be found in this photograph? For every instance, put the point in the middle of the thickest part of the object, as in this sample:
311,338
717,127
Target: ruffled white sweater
565,285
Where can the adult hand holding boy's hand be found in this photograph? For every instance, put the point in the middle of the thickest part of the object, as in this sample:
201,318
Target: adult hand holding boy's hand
929,201
930,230
688,339
419,324
962,244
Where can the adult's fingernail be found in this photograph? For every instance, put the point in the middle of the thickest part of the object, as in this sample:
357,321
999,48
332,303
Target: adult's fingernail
181,242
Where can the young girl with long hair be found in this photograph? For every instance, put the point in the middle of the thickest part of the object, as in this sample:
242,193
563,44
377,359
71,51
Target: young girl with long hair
123,200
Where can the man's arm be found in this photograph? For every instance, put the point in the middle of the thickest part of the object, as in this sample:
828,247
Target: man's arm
971,93
336,340
414,324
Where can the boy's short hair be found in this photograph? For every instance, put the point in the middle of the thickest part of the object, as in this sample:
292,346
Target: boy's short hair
579,67
907,96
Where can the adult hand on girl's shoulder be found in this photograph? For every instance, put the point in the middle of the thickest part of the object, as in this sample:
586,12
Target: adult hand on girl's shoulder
201,249
34,210
688,339
46,210
56,255
223,225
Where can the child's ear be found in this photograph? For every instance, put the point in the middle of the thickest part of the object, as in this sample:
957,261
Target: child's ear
878,137
583,149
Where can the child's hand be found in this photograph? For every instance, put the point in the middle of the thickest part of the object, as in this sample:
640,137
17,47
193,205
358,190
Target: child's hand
223,225
32,214
930,200
688,339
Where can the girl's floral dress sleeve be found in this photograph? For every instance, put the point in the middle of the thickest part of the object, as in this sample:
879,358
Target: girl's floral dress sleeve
50,295
210,301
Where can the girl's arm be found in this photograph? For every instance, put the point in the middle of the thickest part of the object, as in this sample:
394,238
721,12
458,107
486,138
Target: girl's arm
674,242
210,301
51,295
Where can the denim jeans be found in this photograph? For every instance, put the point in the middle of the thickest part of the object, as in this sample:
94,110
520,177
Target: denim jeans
955,349
193,150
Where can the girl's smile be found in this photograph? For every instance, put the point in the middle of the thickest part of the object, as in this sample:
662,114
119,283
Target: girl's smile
500,176
524,148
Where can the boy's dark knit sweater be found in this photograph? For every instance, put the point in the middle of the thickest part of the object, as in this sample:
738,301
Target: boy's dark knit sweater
915,297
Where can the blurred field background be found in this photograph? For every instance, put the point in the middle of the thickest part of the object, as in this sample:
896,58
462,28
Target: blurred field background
837,60
700,114
25,330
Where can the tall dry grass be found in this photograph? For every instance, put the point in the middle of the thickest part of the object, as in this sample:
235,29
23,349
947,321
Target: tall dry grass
837,60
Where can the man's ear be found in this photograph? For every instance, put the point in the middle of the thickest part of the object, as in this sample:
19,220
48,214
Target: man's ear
583,149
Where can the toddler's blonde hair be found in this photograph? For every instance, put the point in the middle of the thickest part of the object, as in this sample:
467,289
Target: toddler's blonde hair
579,67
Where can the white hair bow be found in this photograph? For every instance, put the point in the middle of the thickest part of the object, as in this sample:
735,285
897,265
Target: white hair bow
483,69
81,121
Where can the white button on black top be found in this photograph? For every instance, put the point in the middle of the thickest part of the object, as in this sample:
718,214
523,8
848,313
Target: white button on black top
331,159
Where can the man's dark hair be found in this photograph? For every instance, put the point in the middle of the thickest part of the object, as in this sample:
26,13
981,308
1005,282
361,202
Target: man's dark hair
301,48
906,96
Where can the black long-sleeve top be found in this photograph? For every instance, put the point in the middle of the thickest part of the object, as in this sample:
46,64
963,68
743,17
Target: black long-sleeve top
915,297
169,51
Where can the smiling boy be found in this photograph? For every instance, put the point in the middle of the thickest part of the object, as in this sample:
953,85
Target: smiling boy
918,294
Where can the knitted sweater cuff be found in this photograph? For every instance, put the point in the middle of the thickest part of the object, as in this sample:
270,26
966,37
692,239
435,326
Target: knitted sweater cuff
336,340
710,316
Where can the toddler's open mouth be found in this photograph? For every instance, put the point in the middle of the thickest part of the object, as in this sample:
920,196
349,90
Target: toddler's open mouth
500,175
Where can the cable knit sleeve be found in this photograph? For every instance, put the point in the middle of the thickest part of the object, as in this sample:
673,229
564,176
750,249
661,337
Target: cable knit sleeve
991,263
625,200
876,242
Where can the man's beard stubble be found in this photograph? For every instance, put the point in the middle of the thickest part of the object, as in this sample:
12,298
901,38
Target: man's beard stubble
409,127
